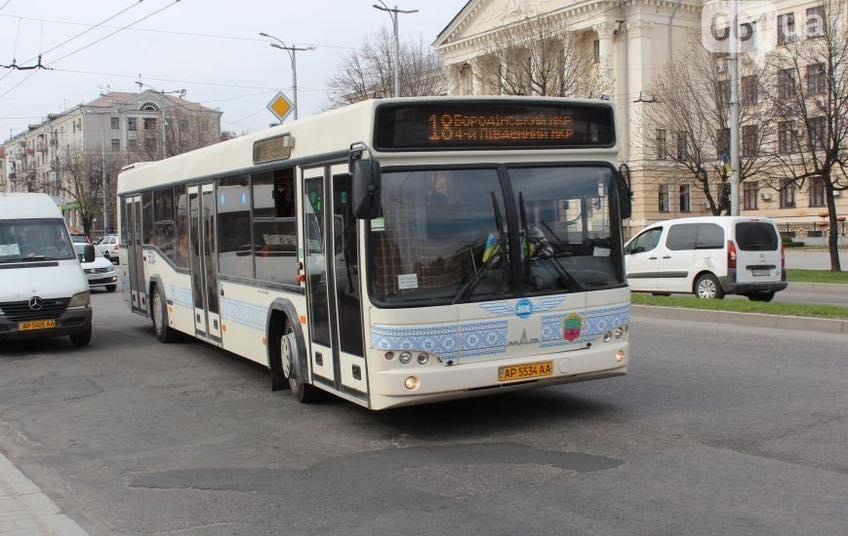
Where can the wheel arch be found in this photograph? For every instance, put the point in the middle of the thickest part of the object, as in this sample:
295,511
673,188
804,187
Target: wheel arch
279,311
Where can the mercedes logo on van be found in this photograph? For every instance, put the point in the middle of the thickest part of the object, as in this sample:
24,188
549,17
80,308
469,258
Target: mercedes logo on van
35,303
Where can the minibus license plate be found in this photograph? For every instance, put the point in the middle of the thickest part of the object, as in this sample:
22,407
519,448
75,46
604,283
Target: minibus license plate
527,370
761,272
30,325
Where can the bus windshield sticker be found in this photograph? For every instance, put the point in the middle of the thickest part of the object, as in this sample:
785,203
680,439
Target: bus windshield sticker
407,281
8,250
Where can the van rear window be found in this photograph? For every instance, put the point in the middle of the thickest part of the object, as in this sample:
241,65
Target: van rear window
756,236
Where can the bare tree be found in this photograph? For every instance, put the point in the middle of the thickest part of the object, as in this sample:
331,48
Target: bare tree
82,181
809,89
368,72
686,126
540,56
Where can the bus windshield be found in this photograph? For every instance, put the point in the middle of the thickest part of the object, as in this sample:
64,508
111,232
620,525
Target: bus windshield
444,236
34,240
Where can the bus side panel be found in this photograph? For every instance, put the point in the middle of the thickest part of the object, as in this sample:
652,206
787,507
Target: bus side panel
177,290
244,314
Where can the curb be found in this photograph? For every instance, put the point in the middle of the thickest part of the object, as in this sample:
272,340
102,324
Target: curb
37,507
803,323
802,285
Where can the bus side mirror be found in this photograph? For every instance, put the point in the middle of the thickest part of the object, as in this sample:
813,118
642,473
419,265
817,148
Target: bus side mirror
625,196
366,189
88,253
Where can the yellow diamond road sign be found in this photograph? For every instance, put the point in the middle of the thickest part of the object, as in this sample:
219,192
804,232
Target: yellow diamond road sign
280,106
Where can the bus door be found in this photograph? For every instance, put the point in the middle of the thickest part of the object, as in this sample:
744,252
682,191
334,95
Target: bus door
202,258
135,253
332,281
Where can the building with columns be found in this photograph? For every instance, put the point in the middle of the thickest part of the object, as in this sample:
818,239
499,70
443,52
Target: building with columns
115,129
630,42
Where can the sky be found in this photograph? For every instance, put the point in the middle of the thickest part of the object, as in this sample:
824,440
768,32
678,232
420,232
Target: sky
229,67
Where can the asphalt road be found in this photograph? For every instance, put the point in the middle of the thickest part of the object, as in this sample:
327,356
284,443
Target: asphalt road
717,430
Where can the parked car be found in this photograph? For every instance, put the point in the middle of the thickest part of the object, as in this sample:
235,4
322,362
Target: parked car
80,238
708,256
109,246
43,292
100,272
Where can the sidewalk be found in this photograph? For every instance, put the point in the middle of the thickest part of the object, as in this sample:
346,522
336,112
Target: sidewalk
26,511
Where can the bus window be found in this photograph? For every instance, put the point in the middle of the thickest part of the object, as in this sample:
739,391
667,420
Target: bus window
235,256
275,226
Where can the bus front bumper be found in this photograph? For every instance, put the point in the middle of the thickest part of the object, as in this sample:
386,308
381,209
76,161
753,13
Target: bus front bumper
437,382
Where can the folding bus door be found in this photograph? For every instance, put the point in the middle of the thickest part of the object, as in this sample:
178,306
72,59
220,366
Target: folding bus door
203,261
332,281
135,254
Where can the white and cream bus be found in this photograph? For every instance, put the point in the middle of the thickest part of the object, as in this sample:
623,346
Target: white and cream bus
393,252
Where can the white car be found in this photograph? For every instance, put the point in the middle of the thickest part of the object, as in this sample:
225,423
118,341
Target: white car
709,257
109,246
100,272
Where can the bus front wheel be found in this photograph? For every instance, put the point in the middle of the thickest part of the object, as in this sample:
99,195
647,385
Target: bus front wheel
292,371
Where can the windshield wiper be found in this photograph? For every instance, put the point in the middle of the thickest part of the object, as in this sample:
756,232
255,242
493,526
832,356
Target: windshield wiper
564,276
497,252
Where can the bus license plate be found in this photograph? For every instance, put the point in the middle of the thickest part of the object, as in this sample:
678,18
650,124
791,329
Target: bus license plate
527,370
760,273
30,325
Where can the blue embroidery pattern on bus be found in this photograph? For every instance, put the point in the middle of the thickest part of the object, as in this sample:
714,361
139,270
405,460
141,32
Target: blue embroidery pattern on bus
247,314
596,322
467,339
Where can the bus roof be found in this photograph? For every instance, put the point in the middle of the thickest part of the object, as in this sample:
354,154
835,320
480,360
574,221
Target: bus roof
325,133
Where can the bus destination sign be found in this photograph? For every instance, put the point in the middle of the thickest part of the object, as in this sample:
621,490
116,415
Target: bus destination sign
488,125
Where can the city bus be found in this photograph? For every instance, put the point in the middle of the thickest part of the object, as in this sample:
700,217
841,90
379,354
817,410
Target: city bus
395,251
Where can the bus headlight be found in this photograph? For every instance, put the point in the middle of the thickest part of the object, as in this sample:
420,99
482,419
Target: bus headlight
607,336
81,299
618,332
389,355
423,359
405,357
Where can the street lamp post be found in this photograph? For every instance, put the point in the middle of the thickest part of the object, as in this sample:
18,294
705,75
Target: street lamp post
292,52
393,14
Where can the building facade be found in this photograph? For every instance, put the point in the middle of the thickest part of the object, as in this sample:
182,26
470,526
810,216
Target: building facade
75,155
629,42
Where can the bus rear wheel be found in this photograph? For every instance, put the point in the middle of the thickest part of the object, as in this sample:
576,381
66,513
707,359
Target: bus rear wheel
301,391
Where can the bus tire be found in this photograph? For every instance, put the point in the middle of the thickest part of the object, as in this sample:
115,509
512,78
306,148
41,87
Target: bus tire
292,368
164,332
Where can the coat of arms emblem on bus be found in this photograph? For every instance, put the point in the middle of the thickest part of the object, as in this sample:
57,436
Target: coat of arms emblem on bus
571,326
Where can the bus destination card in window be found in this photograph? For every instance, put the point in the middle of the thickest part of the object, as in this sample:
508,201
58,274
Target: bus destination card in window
461,125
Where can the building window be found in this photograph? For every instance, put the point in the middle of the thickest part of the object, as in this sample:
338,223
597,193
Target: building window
786,28
662,144
664,201
132,123
816,191
787,193
596,51
116,144
723,141
723,93
785,83
786,137
750,94
682,146
132,145
685,195
149,123
816,79
275,226
818,132
749,140
750,190
235,255
815,22
115,123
